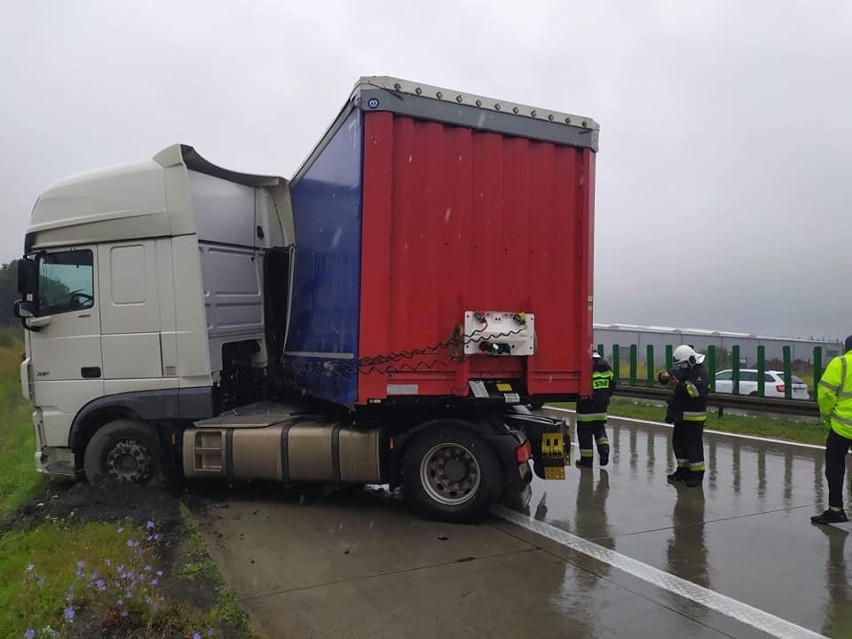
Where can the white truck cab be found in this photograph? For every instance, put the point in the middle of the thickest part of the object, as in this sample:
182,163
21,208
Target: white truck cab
143,299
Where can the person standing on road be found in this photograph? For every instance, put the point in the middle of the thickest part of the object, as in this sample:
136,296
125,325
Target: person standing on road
687,409
591,414
834,395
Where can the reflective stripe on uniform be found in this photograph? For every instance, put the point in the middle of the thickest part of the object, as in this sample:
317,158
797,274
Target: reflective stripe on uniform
591,417
682,463
587,452
696,466
842,420
691,389
694,417
603,441
830,387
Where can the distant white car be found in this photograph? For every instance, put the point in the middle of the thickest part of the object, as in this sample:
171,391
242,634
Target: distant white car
773,383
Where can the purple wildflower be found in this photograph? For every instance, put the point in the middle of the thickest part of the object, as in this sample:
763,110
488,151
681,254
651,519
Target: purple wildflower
149,525
154,581
108,562
30,567
69,598
123,613
69,613
132,543
100,585
120,529
159,573
196,635
147,568
120,568
211,632
29,633
41,581
120,602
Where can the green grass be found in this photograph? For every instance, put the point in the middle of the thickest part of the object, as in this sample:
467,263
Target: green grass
19,480
38,564
808,431
199,564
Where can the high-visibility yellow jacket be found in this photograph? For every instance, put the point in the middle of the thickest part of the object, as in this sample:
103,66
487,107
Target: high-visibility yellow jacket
834,395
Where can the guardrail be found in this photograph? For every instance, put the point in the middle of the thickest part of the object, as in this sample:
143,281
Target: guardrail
800,407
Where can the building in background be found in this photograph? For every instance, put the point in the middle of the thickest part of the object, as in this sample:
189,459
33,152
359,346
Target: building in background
659,337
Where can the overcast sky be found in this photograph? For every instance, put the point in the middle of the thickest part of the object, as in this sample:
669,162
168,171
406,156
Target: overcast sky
724,193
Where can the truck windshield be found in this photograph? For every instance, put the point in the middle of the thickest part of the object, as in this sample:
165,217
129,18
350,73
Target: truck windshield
65,282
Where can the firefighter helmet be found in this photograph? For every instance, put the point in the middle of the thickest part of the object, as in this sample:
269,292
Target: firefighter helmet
685,357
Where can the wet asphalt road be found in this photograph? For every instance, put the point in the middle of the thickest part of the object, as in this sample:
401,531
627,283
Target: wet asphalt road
357,564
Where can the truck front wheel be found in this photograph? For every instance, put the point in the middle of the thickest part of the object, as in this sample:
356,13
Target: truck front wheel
451,475
123,450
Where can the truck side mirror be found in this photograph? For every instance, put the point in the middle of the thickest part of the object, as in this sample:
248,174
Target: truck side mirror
27,276
24,309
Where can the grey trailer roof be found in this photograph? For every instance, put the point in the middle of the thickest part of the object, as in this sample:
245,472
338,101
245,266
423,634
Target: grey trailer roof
423,101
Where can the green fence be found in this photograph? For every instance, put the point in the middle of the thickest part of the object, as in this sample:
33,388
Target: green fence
645,373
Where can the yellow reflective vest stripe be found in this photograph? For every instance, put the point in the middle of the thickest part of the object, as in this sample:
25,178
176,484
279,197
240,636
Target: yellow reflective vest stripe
834,394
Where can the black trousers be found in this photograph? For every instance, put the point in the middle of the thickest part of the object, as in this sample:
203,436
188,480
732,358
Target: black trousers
688,446
835,466
591,433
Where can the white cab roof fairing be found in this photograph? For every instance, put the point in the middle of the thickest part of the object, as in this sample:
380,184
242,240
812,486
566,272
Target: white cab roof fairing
143,199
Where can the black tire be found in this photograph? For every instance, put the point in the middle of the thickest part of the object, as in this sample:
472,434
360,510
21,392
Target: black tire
123,450
463,493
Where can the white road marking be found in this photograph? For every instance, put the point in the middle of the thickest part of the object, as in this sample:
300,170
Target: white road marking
755,438
749,615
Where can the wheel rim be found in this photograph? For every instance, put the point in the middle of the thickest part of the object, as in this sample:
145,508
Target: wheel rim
129,460
450,474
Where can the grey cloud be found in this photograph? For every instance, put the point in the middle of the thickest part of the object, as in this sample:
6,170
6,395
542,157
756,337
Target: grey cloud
723,189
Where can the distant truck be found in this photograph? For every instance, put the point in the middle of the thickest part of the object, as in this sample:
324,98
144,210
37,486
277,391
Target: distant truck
384,317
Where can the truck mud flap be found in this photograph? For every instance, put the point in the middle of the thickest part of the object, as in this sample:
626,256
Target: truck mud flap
550,440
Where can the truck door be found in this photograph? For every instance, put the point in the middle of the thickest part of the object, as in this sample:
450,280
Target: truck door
65,342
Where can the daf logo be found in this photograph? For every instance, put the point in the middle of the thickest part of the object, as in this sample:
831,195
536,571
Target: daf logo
373,103
43,373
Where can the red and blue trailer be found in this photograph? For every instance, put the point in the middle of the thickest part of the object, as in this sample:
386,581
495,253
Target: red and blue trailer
443,283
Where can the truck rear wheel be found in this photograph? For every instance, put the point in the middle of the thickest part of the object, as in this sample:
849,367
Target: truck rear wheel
451,475
123,450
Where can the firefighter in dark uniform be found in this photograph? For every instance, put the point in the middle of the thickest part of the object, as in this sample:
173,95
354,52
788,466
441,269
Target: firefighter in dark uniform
687,410
591,414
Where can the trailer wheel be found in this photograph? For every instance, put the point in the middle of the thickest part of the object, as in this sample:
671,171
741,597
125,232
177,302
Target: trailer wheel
123,450
451,475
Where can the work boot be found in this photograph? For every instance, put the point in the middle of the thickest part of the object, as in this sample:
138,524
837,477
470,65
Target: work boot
585,462
604,455
830,517
676,476
694,482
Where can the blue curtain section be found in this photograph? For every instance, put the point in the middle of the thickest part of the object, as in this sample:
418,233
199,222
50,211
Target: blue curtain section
326,296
